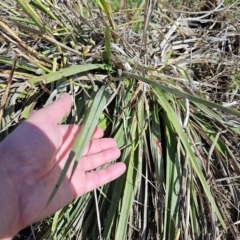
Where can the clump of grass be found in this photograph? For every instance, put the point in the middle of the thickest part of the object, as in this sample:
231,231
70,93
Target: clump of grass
167,74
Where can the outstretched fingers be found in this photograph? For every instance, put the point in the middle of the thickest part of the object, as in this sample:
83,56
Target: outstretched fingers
92,161
69,133
100,145
98,178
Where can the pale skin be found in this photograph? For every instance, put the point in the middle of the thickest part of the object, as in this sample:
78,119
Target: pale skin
31,161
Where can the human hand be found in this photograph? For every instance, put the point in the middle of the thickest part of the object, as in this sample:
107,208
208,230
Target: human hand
32,158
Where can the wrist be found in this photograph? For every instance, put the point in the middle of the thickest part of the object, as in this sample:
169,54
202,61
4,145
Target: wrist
9,203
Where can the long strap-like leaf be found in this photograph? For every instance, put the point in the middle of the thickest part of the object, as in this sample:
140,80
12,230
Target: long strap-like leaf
194,99
90,121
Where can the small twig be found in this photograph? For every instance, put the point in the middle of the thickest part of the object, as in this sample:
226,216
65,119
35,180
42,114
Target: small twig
211,151
226,178
32,230
98,214
149,6
187,113
23,44
205,15
48,38
21,54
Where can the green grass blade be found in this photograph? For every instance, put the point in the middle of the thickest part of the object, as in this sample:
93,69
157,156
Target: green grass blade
45,10
194,163
21,20
182,94
9,8
121,140
32,14
172,182
131,183
194,209
156,144
106,7
90,122
107,52
20,65
51,77
55,220
134,165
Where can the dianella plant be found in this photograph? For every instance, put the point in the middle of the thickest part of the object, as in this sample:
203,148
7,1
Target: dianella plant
162,78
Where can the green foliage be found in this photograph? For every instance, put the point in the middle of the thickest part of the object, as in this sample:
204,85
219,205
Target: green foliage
89,124
173,138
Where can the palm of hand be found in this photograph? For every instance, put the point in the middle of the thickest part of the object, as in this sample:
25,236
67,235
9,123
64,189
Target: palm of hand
41,148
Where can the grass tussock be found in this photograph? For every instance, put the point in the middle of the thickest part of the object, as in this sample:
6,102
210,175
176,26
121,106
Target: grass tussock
166,81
